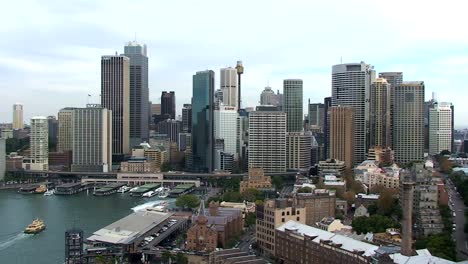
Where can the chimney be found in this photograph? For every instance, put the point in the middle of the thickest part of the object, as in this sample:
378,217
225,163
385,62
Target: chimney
407,225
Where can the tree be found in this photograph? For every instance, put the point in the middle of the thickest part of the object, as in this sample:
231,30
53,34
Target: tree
445,152
181,258
386,201
445,165
278,182
167,256
251,195
375,224
166,166
250,219
305,189
234,197
187,201
372,209
350,197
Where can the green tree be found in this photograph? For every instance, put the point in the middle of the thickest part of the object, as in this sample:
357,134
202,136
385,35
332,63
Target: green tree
386,201
181,258
250,219
278,182
440,245
305,189
167,256
251,195
234,197
15,145
375,224
187,201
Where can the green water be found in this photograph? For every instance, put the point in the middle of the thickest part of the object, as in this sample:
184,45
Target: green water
87,212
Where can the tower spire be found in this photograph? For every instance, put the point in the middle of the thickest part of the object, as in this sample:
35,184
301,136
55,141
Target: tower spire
201,210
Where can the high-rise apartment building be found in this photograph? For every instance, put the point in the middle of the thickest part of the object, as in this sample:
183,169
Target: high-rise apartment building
170,128
298,150
316,115
139,92
65,129
267,141
92,137
18,122
168,105
342,132
202,121
408,121
350,87
228,86
292,90
115,94
225,127
39,144
268,97
187,118
393,78
380,114
440,127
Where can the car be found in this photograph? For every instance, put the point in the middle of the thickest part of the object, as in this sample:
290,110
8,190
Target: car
454,214
459,210
454,225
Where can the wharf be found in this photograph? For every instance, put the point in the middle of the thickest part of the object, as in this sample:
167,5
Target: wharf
108,189
30,189
181,189
140,190
71,188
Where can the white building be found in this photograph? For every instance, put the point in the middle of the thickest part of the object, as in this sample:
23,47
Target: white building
267,141
370,174
440,128
225,127
39,145
228,85
92,139
18,122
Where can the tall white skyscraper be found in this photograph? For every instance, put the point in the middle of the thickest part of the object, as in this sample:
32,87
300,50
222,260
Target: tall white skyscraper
267,141
18,122
350,87
408,121
440,127
225,127
92,139
39,145
228,85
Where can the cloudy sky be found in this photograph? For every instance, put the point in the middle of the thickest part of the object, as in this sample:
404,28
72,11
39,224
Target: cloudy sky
50,50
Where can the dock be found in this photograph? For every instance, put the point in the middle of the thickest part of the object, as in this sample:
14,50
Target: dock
140,190
108,189
181,189
30,189
71,188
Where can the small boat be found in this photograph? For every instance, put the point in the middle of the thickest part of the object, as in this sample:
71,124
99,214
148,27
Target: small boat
164,193
49,192
149,194
41,189
124,189
35,227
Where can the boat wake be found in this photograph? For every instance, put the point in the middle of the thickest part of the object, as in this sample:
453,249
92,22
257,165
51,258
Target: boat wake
145,205
12,239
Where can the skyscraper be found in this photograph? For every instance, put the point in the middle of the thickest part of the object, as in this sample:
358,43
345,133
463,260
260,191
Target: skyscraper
39,143
171,128
18,122
317,115
440,128
393,78
168,105
298,150
342,134
408,121
139,92
187,118
292,90
115,94
380,113
53,129
225,127
326,121
202,120
65,129
228,85
350,87
267,141
92,137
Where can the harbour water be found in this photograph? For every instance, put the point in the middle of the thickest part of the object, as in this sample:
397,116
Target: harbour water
82,210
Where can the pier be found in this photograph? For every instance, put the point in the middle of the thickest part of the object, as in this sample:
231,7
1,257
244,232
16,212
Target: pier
108,189
140,190
181,189
72,188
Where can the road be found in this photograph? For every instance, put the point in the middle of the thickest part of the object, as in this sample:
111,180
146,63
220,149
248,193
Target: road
286,191
458,207
246,240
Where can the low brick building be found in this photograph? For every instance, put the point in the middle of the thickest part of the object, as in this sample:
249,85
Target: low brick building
202,236
255,180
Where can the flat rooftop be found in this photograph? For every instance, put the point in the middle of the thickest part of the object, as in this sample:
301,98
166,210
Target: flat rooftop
129,228
348,244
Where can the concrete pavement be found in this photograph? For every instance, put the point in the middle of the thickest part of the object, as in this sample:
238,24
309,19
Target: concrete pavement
458,218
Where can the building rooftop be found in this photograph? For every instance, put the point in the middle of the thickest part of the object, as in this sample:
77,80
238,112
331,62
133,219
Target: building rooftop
346,243
423,256
127,229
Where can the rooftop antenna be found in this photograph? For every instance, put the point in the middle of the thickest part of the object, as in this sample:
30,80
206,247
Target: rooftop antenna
87,99
341,60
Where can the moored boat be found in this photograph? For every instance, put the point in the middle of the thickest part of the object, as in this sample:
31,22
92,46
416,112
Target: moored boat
41,189
49,192
149,194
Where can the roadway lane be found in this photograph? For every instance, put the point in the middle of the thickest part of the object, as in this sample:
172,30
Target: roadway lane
458,207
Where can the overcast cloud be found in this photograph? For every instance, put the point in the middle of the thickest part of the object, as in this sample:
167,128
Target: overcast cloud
50,50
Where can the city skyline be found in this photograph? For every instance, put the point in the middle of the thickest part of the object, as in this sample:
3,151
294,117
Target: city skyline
73,64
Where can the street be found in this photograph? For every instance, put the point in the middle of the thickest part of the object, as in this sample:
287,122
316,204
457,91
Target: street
458,208
246,240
